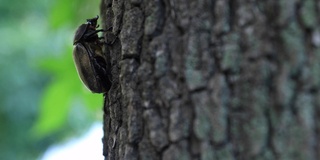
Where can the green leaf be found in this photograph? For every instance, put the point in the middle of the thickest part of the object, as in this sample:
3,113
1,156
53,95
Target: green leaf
55,108
72,12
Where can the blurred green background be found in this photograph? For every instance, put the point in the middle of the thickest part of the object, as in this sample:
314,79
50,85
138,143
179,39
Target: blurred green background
42,100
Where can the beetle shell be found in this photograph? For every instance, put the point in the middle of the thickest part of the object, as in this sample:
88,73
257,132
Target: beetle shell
90,67
90,62
80,32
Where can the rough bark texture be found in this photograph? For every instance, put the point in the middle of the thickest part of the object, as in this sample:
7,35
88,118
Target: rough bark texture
219,79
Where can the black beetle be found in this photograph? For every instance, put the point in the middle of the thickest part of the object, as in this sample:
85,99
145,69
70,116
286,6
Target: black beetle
89,59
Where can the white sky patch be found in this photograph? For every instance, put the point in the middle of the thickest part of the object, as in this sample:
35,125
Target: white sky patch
87,147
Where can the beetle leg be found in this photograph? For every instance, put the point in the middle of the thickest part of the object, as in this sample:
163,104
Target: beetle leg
92,34
102,70
110,28
103,75
110,43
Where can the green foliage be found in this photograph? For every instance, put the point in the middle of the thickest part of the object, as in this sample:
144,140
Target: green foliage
18,107
61,94
72,12
65,87
42,99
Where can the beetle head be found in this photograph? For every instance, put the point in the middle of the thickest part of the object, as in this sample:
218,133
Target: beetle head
93,22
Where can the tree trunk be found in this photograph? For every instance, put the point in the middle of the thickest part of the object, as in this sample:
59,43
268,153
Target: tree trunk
201,79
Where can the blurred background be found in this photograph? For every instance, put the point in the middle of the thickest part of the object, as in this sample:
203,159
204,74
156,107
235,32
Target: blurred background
42,101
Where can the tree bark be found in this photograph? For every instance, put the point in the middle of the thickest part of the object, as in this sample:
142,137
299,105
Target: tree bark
219,79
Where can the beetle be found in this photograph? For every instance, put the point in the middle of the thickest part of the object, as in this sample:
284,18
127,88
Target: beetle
89,59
